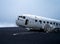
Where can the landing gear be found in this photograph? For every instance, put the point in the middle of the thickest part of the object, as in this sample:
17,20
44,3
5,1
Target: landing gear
48,28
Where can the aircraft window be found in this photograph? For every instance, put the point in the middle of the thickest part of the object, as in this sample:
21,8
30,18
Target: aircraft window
47,22
40,21
43,21
35,20
24,17
54,23
20,16
50,22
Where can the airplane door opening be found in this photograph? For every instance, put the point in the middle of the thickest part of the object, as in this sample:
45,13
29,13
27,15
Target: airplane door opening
26,22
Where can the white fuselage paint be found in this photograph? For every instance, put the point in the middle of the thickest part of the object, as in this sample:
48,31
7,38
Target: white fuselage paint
31,23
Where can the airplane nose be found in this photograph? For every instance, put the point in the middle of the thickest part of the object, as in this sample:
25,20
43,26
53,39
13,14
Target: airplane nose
17,22
20,22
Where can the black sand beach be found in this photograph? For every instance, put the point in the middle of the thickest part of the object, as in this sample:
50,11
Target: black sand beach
24,37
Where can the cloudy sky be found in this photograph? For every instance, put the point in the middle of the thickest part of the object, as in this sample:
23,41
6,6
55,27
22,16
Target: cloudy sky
10,9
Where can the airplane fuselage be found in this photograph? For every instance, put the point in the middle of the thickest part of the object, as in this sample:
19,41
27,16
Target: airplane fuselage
37,22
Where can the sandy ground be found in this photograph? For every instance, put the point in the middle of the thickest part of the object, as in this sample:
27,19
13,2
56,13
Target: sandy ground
15,35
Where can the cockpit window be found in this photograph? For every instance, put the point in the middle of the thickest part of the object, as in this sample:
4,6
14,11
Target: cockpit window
22,17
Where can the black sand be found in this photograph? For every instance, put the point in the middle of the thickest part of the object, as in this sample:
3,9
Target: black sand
23,37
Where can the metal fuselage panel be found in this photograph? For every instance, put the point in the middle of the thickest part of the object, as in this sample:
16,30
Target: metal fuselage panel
29,22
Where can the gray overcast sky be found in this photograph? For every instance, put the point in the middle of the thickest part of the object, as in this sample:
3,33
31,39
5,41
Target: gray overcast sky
10,9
